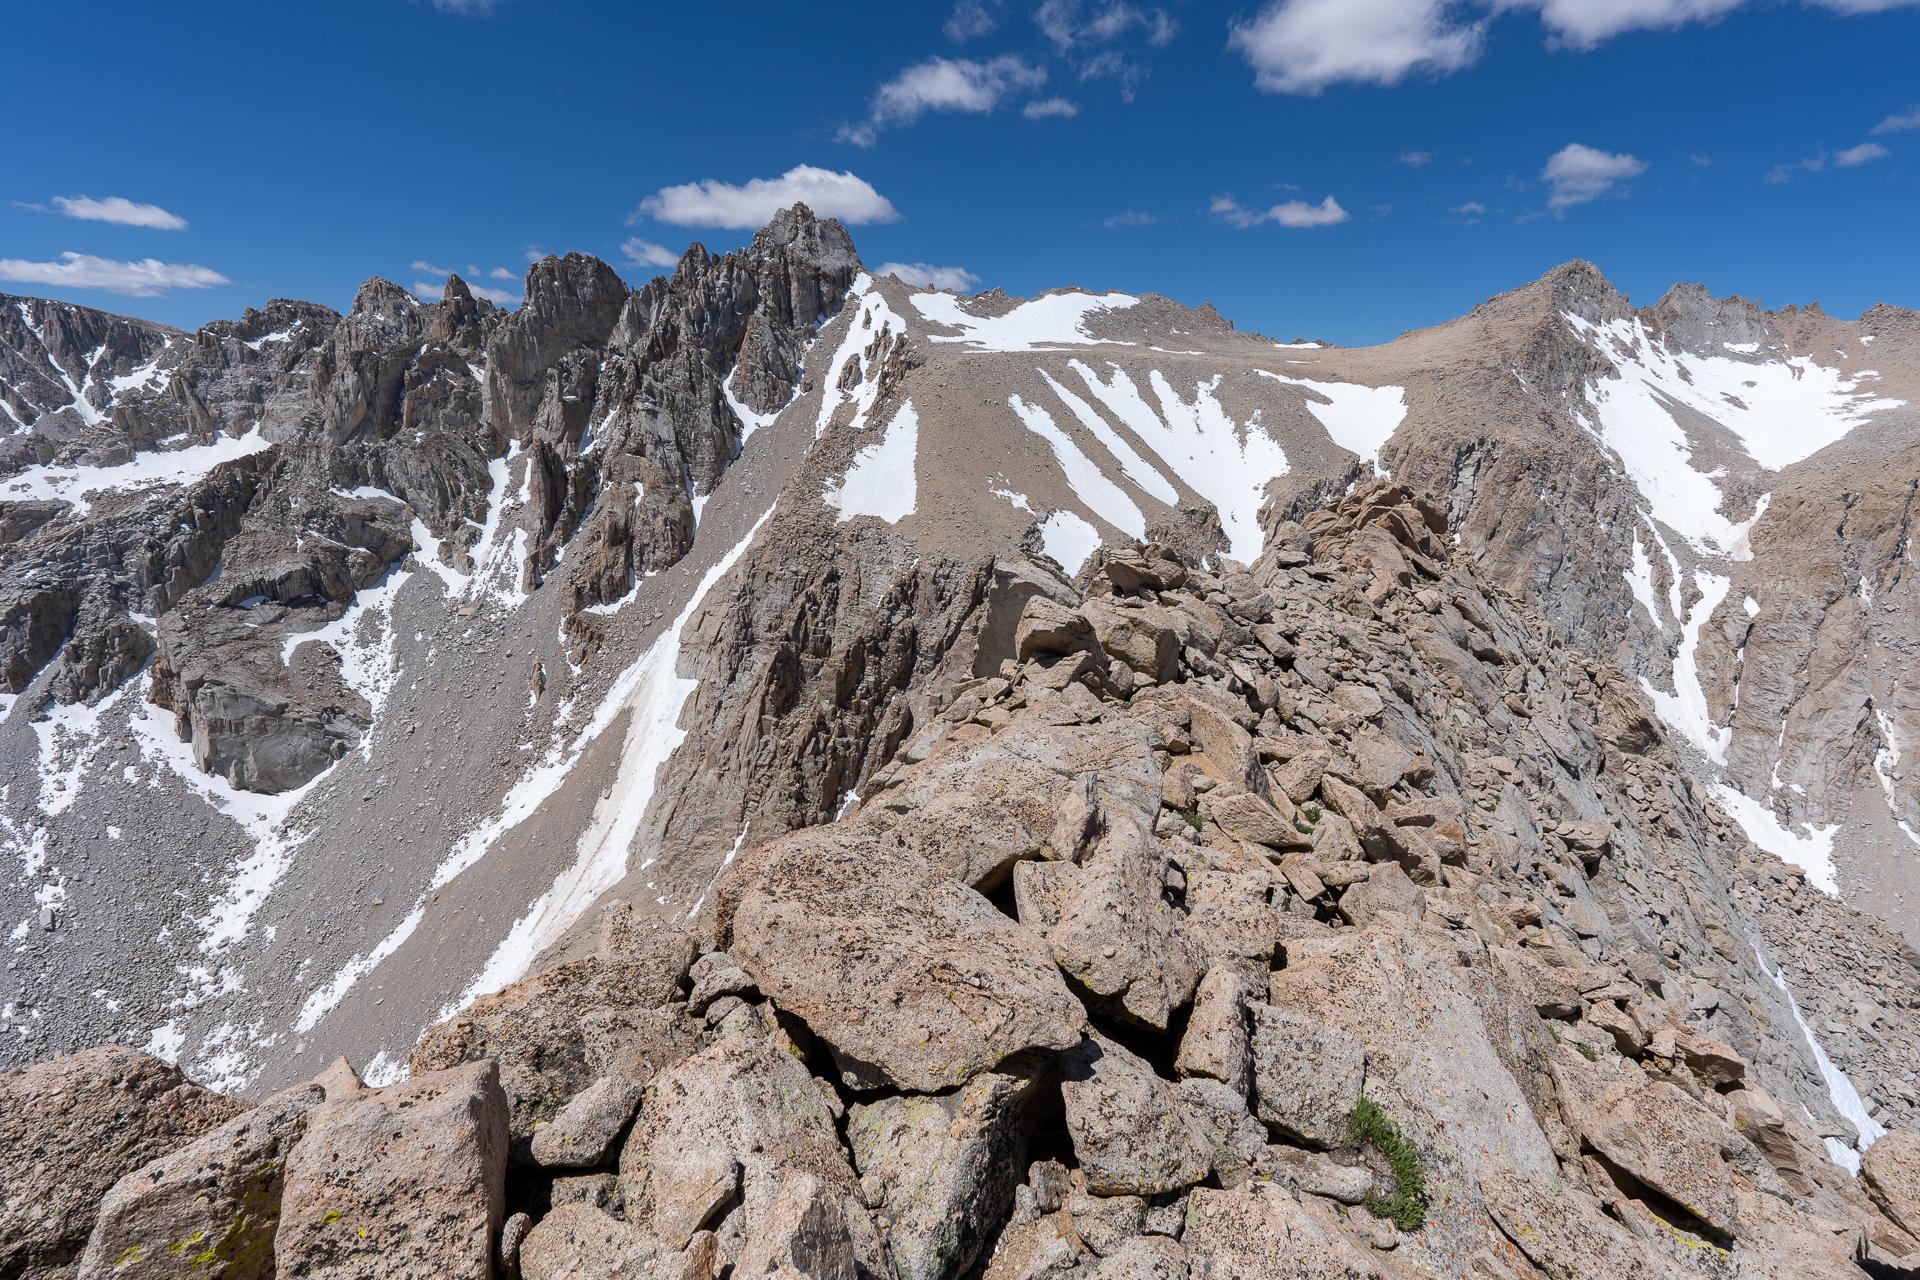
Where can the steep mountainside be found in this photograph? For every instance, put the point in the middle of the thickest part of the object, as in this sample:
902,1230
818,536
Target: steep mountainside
349,663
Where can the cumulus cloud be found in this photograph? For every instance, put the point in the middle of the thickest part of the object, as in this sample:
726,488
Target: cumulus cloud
1293,213
1050,109
501,273
146,278
951,279
1302,46
1583,24
1865,153
712,203
944,84
1472,208
645,253
1579,173
115,209
1900,121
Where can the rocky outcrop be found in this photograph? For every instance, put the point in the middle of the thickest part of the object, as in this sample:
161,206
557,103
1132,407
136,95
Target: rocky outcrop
72,1128
402,1181
1389,1000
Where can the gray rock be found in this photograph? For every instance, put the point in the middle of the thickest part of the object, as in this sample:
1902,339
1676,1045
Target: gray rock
1306,1075
1260,1232
803,1232
406,1181
215,1200
939,1171
575,1242
72,1127
1217,1042
913,981
1129,1131
586,1131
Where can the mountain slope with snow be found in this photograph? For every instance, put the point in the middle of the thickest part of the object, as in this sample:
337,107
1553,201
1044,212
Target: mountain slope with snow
350,663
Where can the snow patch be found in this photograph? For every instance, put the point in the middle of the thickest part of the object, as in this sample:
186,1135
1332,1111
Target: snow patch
1040,324
880,481
1782,412
264,818
869,322
1361,419
1068,539
1846,1099
1639,576
1089,483
1812,853
650,694
1227,463
1685,709
1135,467
169,467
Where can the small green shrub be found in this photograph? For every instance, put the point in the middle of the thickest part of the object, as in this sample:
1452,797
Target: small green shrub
1587,1051
1311,813
1192,817
1406,1208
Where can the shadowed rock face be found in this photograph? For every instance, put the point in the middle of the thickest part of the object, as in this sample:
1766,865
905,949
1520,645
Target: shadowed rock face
1510,935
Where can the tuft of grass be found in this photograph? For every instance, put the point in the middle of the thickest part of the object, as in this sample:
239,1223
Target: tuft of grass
1587,1051
1192,817
1406,1208
1311,813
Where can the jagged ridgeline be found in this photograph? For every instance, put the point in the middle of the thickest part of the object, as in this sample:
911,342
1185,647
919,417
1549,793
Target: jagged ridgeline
783,771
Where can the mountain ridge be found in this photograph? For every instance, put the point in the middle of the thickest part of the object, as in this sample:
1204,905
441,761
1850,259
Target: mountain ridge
406,647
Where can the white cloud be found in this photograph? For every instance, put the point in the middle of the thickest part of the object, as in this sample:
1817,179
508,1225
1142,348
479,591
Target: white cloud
1050,109
467,8
1472,208
1900,121
1130,218
1302,46
645,253
428,269
1585,23
1070,24
1294,213
1416,159
118,210
147,278
972,18
1580,173
951,279
501,273
944,84
1865,153
1851,158
712,203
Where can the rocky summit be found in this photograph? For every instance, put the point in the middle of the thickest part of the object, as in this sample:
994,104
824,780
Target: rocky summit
779,771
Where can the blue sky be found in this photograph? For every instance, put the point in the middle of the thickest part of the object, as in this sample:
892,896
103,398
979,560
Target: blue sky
1342,169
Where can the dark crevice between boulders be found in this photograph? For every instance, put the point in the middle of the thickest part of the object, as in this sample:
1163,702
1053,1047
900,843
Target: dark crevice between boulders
1660,1205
